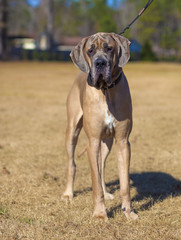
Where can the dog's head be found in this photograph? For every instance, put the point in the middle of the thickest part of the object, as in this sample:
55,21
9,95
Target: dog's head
102,57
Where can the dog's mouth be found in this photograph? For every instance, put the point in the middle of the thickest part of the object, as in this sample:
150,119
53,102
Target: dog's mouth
103,83
100,79
100,82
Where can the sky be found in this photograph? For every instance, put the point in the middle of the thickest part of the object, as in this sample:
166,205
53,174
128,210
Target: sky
34,3
112,3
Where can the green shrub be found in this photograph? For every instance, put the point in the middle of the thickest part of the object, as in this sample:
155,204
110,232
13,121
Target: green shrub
147,53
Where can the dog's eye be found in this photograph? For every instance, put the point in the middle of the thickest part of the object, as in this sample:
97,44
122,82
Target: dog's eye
109,49
91,51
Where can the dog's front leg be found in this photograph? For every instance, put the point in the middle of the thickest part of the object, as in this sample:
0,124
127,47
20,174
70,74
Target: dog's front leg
123,153
98,195
105,149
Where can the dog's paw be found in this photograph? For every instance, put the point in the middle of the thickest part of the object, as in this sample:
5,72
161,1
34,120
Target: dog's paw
130,214
68,197
101,215
100,212
108,196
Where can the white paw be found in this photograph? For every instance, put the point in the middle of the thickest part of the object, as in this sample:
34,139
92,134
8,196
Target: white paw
130,214
68,197
108,196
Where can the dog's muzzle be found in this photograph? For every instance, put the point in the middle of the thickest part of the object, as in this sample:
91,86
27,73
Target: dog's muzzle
100,74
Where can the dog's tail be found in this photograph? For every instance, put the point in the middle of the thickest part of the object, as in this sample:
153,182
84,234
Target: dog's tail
82,152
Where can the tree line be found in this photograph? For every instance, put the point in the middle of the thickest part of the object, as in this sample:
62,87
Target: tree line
160,24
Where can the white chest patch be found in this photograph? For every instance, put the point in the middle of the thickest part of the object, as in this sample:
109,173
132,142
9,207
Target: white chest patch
109,121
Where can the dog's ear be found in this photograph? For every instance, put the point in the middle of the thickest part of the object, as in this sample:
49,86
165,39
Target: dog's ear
78,58
123,48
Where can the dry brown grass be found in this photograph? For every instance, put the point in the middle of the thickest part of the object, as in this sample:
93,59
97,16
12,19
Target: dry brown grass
33,159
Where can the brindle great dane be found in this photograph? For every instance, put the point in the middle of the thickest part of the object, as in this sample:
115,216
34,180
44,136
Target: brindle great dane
100,102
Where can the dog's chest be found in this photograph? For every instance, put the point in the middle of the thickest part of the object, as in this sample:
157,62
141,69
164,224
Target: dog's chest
109,122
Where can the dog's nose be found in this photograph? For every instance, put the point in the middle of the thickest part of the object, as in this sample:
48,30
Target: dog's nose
100,63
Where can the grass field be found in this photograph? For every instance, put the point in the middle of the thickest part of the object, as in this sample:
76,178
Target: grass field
33,159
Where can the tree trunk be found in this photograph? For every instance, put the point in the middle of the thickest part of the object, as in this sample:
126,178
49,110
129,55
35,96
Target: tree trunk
4,29
50,24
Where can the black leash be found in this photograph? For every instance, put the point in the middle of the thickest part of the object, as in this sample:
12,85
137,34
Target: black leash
140,13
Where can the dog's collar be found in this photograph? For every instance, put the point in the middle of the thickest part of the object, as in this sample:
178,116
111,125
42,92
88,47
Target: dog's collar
114,83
